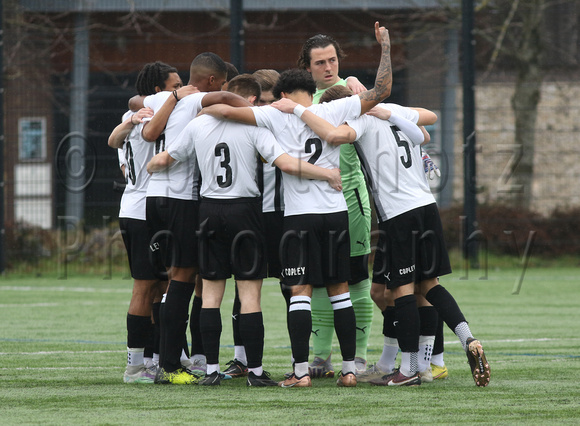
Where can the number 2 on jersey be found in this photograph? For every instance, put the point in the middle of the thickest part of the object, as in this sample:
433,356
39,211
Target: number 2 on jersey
222,150
317,149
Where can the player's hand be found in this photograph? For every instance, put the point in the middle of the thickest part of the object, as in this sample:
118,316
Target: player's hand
355,85
184,91
430,167
285,105
140,115
382,113
382,35
149,168
209,110
334,179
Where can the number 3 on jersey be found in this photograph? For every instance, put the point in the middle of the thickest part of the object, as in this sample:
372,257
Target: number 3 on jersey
222,150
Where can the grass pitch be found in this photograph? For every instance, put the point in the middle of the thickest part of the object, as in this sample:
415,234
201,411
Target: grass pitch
62,356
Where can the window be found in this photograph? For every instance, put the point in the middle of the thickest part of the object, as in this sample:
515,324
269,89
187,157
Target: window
32,139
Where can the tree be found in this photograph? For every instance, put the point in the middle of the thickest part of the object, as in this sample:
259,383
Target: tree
520,40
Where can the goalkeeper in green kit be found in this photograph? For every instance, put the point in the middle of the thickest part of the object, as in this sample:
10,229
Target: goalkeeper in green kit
320,56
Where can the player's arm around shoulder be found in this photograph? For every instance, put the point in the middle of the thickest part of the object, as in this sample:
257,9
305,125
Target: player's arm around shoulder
242,115
119,133
305,170
160,162
325,130
223,97
408,127
426,117
153,129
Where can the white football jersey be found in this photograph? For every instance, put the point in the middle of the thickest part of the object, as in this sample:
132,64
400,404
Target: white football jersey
227,154
136,154
305,196
176,181
393,164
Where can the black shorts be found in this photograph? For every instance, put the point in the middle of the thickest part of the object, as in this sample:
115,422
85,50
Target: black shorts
315,249
411,248
172,224
231,239
136,239
359,269
273,225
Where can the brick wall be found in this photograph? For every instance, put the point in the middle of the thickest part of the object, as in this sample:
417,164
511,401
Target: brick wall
557,146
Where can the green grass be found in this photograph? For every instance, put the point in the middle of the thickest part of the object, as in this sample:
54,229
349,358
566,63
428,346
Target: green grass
62,355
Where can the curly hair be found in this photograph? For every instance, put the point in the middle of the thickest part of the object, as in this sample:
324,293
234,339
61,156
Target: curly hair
153,74
292,80
315,42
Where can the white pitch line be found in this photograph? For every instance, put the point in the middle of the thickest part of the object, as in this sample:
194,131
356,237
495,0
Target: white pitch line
62,352
455,342
52,305
541,339
65,289
60,368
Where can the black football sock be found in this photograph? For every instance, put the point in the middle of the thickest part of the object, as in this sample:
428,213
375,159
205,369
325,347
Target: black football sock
300,327
156,308
196,340
252,334
439,344
174,323
345,326
138,331
429,319
407,318
238,341
389,329
211,330
446,306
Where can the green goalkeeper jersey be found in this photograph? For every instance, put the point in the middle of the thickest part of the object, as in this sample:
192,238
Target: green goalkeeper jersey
350,169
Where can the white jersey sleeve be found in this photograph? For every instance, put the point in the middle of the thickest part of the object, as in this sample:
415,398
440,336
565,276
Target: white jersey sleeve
338,111
406,120
267,145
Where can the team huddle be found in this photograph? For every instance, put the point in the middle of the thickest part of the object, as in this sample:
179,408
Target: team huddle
266,175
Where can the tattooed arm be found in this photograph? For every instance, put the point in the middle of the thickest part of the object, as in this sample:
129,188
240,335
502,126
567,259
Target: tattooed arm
384,78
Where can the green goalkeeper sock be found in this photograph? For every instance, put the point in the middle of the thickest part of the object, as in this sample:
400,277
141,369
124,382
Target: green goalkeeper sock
360,295
322,323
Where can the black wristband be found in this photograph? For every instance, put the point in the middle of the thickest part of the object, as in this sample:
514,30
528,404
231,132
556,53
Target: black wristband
175,95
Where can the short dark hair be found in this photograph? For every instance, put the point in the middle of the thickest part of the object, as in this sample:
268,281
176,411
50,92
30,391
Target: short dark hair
208,61
151,75
335,92
232,71
245,85
292,80
315,42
